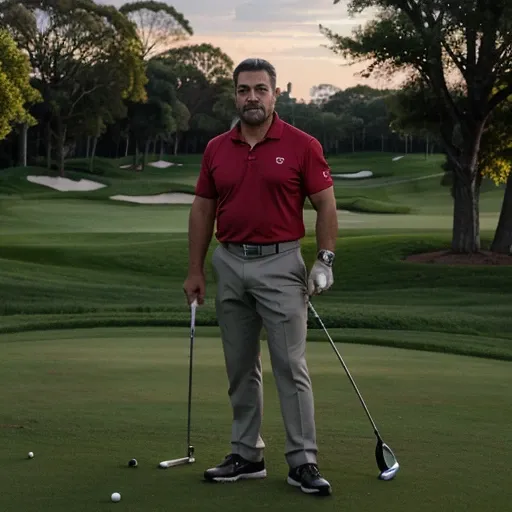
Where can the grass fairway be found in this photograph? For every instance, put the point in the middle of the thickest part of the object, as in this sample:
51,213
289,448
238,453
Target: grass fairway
86,401
94,351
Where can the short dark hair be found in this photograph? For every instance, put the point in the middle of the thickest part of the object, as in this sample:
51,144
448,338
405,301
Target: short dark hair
256,65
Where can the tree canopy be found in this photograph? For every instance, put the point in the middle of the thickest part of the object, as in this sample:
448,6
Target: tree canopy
16,93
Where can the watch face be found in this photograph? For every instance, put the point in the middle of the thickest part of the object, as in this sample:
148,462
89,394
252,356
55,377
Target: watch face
327,257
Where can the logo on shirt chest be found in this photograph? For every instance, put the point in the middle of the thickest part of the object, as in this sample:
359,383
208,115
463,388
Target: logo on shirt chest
280,160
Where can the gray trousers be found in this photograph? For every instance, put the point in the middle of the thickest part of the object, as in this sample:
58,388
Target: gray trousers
271,292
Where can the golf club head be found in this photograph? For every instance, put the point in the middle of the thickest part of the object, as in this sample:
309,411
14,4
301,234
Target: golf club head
386,461
176,462
390,473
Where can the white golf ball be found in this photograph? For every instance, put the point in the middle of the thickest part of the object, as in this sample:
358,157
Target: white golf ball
30,455
115,497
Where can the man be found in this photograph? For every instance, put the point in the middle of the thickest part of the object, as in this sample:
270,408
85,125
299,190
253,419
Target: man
254,181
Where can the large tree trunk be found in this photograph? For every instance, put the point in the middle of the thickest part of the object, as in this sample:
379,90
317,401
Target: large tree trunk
22,155
467,181
503,237
466,214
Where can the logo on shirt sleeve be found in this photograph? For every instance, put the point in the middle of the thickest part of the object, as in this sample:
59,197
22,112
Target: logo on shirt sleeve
280,160
326,175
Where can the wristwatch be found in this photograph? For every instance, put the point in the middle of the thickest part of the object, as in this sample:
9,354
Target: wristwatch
326,257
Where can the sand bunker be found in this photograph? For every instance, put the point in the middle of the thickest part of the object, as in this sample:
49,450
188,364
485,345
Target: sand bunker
170,198
355,175
65,184
162,164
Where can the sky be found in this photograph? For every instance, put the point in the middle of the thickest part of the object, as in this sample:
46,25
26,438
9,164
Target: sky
285,32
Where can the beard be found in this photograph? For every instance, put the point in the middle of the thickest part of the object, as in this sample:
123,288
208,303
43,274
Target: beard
253,116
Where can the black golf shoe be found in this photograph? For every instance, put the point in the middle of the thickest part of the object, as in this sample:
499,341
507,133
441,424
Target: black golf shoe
309,479
233,468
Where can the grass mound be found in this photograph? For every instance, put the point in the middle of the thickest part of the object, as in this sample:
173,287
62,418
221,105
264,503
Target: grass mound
366,205
84,280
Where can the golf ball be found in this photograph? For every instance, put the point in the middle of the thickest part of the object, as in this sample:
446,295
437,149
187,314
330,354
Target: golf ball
115,497
30,455
133,462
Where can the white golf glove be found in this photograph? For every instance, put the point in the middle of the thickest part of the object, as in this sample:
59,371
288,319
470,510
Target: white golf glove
320,278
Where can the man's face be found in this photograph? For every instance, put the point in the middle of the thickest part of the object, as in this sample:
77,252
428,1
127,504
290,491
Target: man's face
255,97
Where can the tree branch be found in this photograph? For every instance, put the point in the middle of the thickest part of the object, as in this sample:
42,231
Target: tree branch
84,93
499,97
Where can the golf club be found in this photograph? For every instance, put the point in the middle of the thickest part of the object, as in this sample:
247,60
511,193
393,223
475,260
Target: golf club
386,460
189,459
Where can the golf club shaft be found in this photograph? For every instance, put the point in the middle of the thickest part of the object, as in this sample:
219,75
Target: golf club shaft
192,334
345,368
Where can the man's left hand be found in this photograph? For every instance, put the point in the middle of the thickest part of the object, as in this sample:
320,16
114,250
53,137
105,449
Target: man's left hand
317,284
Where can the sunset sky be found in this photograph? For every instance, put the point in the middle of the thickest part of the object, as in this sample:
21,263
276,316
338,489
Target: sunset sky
282,31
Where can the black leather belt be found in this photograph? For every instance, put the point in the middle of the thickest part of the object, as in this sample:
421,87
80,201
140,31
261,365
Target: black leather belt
256,250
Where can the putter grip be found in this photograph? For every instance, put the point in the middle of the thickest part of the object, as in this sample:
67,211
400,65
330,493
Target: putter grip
193,307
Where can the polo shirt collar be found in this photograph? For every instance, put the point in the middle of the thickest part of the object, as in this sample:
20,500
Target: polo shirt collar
274,132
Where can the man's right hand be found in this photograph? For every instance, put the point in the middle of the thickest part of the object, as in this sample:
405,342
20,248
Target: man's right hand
194,288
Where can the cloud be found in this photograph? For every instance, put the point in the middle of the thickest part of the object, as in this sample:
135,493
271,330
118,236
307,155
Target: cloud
284,11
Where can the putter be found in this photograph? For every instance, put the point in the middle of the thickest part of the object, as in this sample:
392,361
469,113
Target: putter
386,460
189,459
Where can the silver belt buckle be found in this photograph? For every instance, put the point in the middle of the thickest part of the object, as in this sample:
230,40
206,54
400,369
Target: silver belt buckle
251,250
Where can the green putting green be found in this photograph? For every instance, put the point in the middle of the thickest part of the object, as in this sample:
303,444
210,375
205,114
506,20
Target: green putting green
87,401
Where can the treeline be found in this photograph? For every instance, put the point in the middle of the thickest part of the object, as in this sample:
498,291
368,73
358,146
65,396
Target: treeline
117,82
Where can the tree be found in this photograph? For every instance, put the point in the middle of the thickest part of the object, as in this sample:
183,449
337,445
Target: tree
202,75
496,164
15,89
77,49
154,118
320,94
367,106
412,112
159,25
468,42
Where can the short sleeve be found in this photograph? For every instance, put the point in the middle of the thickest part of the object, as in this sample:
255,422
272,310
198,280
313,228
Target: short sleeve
316,170
205,186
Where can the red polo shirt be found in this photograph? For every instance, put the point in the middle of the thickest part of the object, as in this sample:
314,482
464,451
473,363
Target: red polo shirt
261,191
